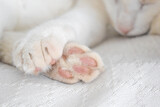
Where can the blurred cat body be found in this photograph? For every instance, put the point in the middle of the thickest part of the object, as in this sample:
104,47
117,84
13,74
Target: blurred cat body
128,17
132,17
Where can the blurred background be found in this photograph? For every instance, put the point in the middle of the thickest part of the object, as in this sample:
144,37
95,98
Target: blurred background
132,64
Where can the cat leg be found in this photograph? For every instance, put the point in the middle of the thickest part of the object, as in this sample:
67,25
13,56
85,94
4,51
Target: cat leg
43,46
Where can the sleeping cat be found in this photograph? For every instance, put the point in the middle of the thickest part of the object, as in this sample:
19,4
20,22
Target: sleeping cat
132,17
52,31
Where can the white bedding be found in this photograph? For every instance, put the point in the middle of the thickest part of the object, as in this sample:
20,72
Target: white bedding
131,79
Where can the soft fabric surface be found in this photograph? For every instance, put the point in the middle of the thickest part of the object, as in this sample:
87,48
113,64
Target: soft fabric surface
131,79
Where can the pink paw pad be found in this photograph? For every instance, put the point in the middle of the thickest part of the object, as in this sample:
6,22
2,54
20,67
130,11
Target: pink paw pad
75,50
81,69
88,61
65,73
80,63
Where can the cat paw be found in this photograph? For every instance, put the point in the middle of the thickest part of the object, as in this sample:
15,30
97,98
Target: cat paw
78,63
37,54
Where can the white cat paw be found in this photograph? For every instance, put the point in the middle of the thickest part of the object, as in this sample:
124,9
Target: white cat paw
77,63
35,54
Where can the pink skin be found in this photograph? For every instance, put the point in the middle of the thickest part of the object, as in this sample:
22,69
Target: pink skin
81,69
65,73
52,62
88,61
37,70
75,50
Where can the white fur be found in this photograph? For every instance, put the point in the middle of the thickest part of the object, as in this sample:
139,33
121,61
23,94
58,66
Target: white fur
49,24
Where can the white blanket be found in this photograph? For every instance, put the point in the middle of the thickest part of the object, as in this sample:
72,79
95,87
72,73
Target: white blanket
131,79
